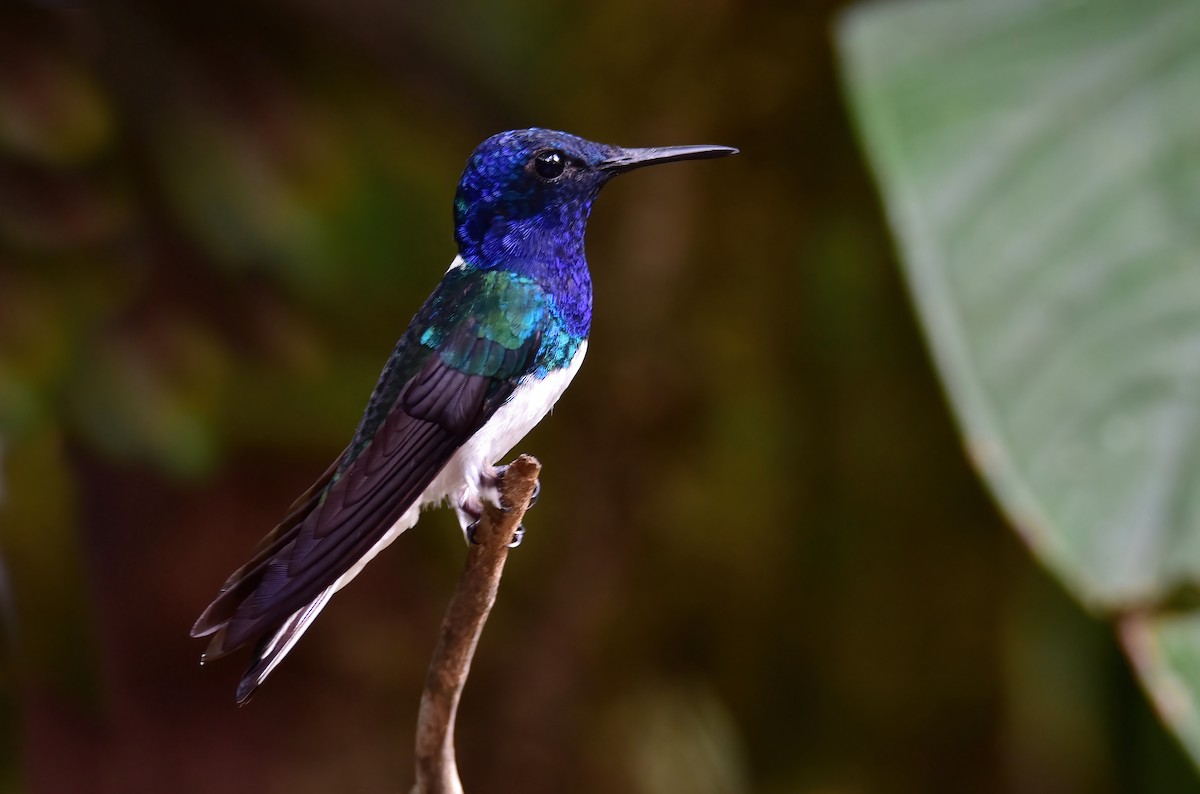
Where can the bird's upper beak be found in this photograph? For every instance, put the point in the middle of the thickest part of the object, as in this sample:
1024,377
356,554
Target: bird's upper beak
629,159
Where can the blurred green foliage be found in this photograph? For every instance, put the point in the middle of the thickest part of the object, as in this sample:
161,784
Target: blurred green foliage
760,562
1041,172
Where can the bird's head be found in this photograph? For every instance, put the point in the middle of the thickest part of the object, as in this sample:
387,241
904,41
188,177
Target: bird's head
526,194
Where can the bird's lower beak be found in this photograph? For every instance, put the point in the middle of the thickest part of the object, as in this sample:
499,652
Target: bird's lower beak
629,159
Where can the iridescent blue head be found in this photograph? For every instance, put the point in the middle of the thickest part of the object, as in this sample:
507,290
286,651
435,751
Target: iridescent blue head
523,203
525,195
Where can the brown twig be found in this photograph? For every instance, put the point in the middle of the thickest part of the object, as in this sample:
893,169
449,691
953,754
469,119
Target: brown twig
437,770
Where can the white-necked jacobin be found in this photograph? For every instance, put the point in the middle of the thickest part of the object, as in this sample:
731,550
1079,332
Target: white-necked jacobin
484,359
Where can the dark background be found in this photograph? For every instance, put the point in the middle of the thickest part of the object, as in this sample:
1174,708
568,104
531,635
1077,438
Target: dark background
760,562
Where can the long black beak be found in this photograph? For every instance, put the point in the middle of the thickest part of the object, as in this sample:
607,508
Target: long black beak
629,159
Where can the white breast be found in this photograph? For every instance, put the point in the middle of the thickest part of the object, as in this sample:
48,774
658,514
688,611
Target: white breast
531,400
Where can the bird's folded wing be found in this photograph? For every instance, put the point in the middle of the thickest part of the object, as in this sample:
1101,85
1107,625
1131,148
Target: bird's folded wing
453,393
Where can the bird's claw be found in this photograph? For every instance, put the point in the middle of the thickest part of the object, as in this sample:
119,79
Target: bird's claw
489,489
473,528
498,478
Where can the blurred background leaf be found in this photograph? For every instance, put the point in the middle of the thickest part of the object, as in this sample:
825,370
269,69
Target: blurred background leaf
1042,174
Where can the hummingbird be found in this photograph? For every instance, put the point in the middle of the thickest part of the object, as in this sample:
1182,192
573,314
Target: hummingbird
484,359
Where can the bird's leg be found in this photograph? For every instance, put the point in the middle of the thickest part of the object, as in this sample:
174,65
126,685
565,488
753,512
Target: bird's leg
470,510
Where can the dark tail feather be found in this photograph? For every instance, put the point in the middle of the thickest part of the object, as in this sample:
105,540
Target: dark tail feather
275,645
256,673
243,582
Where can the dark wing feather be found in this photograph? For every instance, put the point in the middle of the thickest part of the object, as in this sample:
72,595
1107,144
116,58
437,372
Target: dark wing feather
242,581
357,501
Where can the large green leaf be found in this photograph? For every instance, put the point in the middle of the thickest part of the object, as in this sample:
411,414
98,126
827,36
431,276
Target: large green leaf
1040,163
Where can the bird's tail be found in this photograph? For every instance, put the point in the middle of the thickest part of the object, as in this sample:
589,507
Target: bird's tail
273,647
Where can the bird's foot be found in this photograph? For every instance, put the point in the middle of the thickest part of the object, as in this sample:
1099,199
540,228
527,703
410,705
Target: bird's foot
490,483
469,512
470,509
489,487
473,527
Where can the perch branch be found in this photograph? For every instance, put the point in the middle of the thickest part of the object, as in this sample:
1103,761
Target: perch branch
437,770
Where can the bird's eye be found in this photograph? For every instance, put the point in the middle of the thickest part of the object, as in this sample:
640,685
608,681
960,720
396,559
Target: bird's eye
549,165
